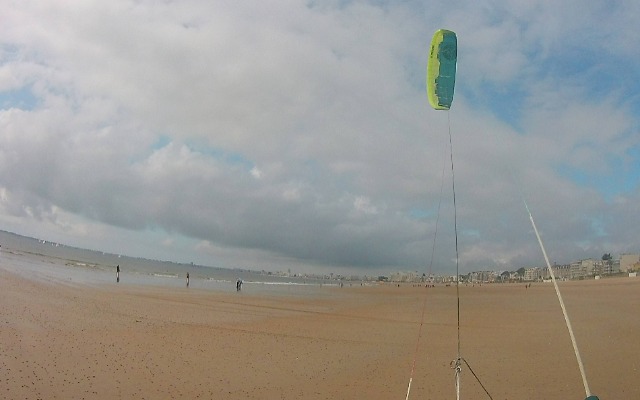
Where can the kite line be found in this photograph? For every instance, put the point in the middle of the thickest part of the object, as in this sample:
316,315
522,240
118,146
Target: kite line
424,300
564,310
457,363
441,76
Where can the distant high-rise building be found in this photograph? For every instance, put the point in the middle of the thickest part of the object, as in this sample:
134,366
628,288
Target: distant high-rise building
629,262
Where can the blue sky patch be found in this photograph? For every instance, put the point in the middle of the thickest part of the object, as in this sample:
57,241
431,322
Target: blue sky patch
22,98
230,158
420,213
163,141
505,101
623,179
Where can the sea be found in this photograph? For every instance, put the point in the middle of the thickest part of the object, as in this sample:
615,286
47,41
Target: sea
58,263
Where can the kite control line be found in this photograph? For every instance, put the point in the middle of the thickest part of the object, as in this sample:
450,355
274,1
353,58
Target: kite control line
458,360
441,78
424,301
564,310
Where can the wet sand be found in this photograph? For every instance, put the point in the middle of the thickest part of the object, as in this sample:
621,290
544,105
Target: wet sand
108,341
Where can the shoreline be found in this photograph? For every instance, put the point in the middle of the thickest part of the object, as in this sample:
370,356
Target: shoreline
68,339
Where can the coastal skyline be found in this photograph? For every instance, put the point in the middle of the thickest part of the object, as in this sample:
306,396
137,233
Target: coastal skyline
298,135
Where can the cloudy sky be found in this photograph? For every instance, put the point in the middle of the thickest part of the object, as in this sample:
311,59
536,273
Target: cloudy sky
297,134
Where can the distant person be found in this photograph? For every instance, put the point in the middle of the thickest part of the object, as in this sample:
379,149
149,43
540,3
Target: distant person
238,285
118,273
187,279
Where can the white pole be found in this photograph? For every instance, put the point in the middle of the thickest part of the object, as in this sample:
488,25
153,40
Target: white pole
564,310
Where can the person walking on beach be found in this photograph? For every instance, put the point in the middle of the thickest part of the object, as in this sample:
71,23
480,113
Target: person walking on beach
118,273
187,279
238,285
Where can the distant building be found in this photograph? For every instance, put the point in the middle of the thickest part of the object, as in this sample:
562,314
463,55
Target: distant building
404,277
561,272
585,268
598,267
482,276
576,270
615,267
629,262
533,274
444,279
610,267
590,266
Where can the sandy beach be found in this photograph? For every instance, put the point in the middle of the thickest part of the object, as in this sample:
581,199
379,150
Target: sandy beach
113,341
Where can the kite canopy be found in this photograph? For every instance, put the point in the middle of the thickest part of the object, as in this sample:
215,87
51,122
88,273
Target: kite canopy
441,69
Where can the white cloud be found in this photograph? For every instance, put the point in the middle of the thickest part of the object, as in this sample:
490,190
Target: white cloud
363,204
256,172
240,132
